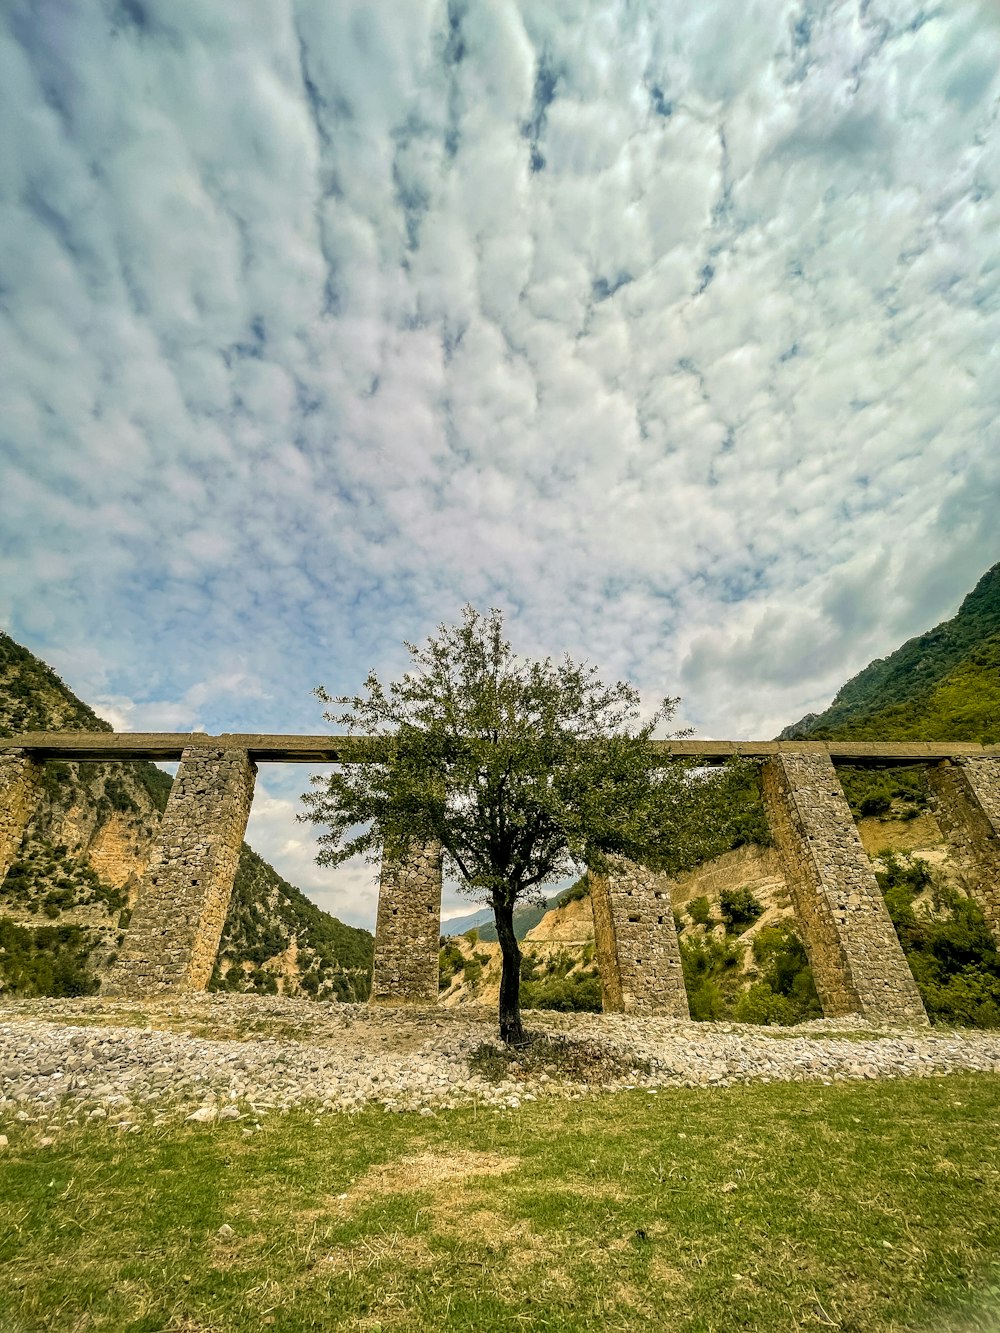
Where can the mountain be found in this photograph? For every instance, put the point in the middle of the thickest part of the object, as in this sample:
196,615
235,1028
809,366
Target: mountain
942,685
67,897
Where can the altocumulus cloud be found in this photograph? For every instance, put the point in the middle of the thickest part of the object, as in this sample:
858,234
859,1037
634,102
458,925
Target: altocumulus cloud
672,329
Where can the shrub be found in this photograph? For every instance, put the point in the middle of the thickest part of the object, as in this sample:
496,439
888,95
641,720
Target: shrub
783,969
700,911
50,960
761,1005
739,908
580,992
451,960
711,976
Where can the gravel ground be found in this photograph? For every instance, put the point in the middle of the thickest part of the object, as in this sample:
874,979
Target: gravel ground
240,1057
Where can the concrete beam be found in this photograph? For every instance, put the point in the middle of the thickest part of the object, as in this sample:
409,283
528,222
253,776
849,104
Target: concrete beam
281,749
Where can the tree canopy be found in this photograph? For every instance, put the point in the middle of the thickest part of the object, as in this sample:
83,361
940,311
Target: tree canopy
524,772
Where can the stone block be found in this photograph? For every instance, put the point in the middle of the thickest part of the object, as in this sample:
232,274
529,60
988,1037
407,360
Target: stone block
857,961
636,941
966,798
408,929
173,937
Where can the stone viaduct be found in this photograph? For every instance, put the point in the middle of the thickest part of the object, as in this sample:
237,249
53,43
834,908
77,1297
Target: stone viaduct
857,962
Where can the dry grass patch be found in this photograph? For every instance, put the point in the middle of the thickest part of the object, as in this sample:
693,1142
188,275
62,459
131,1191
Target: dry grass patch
428,1171
373,1252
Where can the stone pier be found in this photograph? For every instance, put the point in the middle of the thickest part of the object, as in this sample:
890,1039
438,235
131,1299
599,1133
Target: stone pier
966,798
173,938
408,929
636,941
20,790
857,961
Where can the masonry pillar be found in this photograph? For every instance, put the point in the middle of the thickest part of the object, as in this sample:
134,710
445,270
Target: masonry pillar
173,937
857,961
408,929
636,941
20,790
966,798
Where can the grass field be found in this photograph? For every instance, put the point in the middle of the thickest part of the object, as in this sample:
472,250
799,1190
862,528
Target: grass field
864,1206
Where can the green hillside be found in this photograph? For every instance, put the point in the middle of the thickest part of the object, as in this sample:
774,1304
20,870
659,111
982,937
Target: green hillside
942,685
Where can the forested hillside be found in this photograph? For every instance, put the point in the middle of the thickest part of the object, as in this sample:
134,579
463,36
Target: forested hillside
67,897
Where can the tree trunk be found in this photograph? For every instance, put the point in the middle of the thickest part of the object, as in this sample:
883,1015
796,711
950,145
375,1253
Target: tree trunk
511,1030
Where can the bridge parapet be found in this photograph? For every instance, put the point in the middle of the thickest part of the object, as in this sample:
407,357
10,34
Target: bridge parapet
281,749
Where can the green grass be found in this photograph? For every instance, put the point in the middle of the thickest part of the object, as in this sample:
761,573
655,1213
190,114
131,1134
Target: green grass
857,1206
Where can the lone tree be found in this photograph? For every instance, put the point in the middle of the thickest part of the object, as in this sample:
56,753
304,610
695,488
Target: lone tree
524,771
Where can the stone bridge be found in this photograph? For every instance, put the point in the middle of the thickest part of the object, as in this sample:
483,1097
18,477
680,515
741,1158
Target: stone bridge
857,962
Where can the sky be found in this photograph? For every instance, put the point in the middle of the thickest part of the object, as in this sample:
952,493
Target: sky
672,329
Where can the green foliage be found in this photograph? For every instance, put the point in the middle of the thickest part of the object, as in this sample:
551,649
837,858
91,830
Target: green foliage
700,910
155,782
560,983
782,967
739,908
781,989
45,960
948,945
575,892
520,769
33,698
711,975
451,961
47,878
580,992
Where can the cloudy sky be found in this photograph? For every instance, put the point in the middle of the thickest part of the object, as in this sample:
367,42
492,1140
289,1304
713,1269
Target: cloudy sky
673,329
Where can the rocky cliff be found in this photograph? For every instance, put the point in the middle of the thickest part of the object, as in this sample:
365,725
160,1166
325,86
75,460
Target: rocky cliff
68,895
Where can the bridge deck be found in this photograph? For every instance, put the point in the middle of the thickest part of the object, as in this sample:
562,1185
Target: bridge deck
281,749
